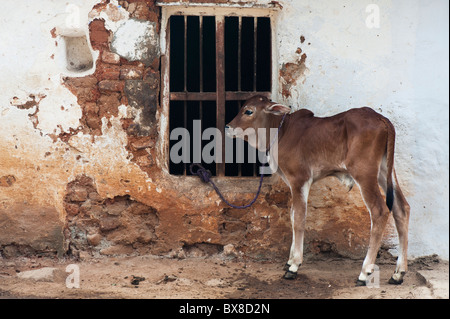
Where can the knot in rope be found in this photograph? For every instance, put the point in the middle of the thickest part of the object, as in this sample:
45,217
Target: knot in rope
203,173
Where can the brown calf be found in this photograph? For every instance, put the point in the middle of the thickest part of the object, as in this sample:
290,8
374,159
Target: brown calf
356,146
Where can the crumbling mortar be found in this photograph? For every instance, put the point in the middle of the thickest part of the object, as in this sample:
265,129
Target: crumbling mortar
117,81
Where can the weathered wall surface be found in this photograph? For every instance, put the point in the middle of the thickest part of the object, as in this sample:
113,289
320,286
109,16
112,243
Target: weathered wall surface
399,69
80,170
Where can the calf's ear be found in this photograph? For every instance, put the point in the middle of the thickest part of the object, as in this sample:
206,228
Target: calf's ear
277,109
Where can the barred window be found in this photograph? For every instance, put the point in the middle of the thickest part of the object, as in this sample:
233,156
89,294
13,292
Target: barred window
215,63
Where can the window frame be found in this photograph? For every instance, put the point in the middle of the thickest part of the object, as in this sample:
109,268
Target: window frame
221,96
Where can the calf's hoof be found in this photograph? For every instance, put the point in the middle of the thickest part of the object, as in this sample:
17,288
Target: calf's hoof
360,283
290,275
397,278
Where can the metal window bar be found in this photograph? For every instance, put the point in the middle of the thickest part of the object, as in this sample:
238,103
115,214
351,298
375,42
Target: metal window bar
255,50
221,95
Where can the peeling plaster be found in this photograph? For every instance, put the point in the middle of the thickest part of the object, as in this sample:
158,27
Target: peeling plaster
348,65
113,14
136,40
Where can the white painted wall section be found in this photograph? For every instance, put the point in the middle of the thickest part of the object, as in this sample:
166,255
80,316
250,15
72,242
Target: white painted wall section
401,70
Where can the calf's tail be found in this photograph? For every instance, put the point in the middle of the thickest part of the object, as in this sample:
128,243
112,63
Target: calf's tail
390,148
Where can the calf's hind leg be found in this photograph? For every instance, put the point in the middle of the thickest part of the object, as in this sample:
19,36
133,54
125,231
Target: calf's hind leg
400,211
379,213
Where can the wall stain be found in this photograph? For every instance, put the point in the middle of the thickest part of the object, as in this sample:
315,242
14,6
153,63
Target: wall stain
290,73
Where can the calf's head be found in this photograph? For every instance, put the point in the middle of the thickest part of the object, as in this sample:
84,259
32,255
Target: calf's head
257,112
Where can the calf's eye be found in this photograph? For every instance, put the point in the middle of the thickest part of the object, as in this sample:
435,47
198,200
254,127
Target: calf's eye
248,112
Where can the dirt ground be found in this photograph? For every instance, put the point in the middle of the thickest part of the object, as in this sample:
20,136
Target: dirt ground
214,277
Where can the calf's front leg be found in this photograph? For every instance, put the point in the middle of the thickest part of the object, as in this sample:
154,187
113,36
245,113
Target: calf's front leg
298,221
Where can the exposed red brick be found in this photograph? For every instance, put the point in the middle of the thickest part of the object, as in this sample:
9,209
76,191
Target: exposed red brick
107,72
145,160
85,88
98,34
85,94
83,82
126,123
131,72
71,209
93,121
99,39
139,10
124,100
109,57
91,108
108,104
142,143
77,194
97,25
111,85
154,17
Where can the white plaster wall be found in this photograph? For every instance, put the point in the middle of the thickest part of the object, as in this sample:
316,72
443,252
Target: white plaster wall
31,63
401,70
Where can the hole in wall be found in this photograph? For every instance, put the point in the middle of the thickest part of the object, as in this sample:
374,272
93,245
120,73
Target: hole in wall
78,54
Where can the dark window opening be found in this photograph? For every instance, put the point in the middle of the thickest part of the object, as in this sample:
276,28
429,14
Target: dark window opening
216,63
